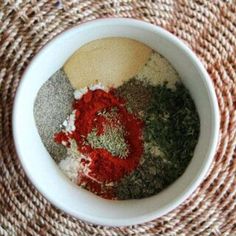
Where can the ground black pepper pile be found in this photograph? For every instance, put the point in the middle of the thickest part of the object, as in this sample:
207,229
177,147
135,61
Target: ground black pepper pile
52,105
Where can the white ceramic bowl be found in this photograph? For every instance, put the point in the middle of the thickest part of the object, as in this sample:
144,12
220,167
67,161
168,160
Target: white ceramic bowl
42,170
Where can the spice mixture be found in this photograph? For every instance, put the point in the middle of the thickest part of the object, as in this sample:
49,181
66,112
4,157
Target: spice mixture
128,142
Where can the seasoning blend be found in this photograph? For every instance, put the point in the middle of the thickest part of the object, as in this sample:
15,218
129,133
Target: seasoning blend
129,140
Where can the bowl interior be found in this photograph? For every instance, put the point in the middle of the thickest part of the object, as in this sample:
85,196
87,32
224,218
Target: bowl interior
42,170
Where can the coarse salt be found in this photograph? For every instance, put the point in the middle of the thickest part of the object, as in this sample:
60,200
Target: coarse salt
70,167
97,86
80,92
69,123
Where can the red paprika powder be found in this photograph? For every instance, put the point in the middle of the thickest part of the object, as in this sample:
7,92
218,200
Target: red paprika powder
104,167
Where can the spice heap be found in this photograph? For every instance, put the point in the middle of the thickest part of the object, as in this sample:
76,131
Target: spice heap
113,137
108,138
170,135
130,142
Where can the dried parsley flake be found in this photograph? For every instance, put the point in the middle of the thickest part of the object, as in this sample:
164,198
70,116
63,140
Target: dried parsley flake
113,137
171,127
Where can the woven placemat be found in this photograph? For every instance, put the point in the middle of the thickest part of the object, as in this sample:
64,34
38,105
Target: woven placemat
208,27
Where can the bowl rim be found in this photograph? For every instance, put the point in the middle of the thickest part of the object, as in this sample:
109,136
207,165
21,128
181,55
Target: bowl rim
214,137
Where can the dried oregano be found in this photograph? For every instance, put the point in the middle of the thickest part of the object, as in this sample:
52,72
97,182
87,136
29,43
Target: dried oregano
113,137
137,94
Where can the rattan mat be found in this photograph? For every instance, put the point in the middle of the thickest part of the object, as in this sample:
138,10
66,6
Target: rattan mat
208,27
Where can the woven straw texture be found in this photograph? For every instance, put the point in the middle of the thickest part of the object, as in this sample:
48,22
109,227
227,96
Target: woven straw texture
208,27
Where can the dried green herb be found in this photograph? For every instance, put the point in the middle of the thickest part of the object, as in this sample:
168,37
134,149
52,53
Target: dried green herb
172,125
113,138
137,95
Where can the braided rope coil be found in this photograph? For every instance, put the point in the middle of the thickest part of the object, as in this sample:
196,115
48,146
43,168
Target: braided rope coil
208,27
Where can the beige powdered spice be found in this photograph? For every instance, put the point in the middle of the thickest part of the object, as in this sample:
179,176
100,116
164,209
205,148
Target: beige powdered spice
158,70
110,61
